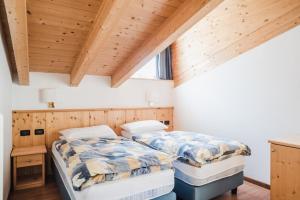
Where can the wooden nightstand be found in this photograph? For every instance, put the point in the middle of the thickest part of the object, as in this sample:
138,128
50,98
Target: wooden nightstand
28,167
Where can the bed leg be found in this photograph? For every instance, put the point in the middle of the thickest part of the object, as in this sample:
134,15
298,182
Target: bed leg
234,191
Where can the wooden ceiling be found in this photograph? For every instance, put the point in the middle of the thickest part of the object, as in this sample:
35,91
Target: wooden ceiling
231,29
116,37
57,30
97,37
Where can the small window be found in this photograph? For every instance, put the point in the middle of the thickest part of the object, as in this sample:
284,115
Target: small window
159,67
148,71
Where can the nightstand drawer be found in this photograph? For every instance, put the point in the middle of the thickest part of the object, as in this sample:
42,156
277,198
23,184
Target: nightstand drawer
29,160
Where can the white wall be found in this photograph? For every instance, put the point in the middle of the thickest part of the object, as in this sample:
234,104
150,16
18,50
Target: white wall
5,133
1,156
251,98
93,92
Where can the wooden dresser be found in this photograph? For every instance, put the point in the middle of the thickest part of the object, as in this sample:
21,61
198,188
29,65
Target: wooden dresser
285,169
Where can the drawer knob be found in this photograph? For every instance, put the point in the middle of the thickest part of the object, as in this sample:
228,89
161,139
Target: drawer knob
273,150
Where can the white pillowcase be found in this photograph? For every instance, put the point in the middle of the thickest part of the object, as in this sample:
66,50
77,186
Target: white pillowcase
130,135
88,132
144,126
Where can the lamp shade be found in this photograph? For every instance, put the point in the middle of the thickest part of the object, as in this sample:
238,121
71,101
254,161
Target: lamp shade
47,95
152,98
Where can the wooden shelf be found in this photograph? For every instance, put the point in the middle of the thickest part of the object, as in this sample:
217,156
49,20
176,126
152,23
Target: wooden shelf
29,181
21,151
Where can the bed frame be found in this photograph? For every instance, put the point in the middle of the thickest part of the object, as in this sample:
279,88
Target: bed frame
65,195
185,191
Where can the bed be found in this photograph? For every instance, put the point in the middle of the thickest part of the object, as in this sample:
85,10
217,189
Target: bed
156,185
194,180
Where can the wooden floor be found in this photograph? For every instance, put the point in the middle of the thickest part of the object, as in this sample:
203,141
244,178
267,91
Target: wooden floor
247,191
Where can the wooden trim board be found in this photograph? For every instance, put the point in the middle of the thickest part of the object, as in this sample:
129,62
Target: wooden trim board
288,142
89,109
256,182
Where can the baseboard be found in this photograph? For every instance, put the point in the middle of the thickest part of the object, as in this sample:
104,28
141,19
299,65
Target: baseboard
256,182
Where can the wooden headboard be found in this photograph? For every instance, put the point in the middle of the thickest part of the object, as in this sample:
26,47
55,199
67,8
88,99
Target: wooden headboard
43,125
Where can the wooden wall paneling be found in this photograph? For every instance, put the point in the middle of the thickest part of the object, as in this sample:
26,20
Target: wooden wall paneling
31,122
163,114
140,114
54,121
188,14
38,122
98,117
212,41
17,25
77,119
146,114
166,114
131,116
57,121
21,121
115,118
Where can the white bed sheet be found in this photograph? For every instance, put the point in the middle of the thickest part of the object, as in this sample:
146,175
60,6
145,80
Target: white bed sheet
210,172
147,186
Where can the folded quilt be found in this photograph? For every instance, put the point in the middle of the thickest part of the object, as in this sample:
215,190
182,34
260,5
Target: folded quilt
193,148
96,160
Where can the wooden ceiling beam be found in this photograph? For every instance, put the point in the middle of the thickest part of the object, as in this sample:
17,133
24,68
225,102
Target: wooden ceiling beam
107,18
188,14
16,14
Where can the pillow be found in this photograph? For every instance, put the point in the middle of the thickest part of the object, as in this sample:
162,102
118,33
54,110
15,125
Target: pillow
144,126
129,135
88,132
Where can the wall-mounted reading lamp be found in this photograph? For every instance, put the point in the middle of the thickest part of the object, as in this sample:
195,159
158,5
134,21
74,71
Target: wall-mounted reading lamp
48,95
152,98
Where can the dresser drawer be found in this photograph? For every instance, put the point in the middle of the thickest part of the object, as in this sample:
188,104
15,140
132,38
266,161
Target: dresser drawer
29,160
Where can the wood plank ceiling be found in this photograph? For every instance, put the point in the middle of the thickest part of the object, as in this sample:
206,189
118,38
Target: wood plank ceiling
58,30
116,37
233,28
99,37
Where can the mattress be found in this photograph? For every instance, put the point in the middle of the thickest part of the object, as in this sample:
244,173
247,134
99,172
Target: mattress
147,186
207,173
210,172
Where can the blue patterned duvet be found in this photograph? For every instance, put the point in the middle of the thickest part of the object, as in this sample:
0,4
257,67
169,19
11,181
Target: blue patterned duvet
193,148
95,160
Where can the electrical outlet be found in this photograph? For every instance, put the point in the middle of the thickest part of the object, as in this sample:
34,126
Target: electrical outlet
39,131
24,132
